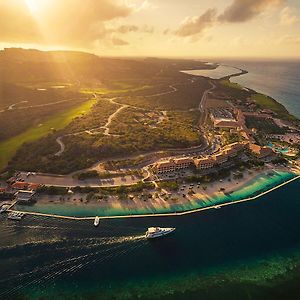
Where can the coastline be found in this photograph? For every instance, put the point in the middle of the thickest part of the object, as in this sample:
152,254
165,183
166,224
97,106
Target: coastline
250,189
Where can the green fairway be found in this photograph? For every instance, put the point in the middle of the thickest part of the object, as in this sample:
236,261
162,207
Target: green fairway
9,147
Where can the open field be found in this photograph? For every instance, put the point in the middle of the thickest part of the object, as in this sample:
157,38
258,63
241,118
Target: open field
30,117
9,147
266,102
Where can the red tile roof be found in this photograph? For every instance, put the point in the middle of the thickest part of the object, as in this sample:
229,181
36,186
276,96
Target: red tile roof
20,185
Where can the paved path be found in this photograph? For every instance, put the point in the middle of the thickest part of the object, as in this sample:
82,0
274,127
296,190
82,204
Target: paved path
113,115
202,103
123,106
12,106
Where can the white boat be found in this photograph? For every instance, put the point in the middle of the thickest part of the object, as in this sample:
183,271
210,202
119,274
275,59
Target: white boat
96,221
217,206
155,232
3,208
15,216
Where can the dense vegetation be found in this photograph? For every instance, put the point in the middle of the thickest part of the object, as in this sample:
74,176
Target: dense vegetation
81,151
264,125
187,96
9,147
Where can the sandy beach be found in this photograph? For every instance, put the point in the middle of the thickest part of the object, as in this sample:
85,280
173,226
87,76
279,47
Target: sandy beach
188,197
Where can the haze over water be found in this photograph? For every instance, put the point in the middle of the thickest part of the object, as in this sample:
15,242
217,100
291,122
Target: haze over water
278,79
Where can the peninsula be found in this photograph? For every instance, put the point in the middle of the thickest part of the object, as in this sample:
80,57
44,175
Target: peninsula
137,137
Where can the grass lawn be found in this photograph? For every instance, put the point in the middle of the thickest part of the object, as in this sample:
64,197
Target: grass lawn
230,84
9,147
264,101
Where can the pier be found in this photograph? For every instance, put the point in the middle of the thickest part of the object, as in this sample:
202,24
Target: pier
171,214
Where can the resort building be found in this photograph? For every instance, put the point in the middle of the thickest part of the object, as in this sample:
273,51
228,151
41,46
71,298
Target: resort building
224,118
223,157
220,158
228,152
173,165
19,185
24,196
205,163
260,152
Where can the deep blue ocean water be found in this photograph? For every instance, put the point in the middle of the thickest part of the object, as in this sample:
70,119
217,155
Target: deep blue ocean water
242,250
278,79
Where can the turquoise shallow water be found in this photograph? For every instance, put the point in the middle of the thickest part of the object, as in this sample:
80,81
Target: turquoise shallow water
257,185
245,251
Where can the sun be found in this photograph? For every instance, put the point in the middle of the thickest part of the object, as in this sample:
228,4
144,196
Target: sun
32,5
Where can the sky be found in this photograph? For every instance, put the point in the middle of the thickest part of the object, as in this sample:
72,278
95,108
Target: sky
162,28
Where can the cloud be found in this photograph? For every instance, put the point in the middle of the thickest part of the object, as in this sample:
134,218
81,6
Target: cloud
290,39
237,11
133,28
70,22
118,42
127,28
287,17
196,25
16,22
245,10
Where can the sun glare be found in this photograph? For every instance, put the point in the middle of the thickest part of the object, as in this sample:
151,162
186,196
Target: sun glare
32,5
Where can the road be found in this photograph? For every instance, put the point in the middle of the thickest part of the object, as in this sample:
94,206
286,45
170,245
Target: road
113,115
13,106
204,97
187,151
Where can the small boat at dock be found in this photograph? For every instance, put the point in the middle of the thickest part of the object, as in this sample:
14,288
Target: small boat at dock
155,232
96,221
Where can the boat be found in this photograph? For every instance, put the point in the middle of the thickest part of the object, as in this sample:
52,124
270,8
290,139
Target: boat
155,232
96,221
3,208
17,216
217,207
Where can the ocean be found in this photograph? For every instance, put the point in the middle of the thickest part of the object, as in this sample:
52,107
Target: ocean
278,79
246,251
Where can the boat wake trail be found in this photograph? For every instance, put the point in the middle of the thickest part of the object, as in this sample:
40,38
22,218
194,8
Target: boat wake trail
64,259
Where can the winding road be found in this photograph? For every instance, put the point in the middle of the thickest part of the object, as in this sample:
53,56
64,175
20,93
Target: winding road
106,127
112,116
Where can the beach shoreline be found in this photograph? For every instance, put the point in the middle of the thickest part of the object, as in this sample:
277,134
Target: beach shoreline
253,185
